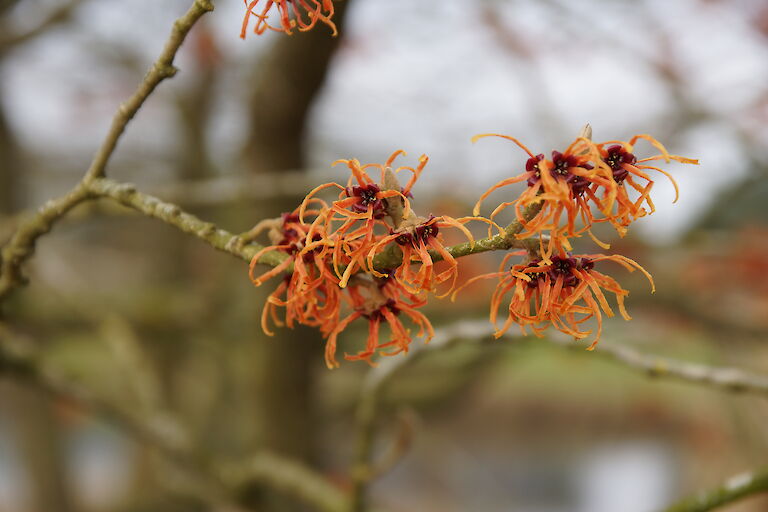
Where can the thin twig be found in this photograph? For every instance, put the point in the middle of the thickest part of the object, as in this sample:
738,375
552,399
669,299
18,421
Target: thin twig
290,478
735,488
127,195
22,243
162,68
170,213
728,379
362,472
392,256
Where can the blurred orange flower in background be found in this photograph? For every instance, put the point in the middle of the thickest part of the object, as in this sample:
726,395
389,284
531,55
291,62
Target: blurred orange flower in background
301,14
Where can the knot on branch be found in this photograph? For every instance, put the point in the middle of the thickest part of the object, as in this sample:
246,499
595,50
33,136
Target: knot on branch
166,71
206,5
168,210
235,244
124,191
206,230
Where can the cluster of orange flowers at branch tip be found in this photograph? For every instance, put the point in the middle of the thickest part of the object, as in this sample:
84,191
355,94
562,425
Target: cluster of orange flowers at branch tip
367,255
293,15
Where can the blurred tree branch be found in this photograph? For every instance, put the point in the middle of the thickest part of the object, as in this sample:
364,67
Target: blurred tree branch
162,68
212,482
727,379
9,39
736,488
20,363
290,478
374,386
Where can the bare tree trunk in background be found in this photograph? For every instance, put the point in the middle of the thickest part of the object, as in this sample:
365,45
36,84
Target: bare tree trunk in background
38,439
287,81
194,106
10,167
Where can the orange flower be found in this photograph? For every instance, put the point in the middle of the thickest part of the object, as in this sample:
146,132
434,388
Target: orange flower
416,237
565,185
569,184
564,293
380,303
309,294
293,13
626,169
361,208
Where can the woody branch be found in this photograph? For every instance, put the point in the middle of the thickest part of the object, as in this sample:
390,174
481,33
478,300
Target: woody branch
735,488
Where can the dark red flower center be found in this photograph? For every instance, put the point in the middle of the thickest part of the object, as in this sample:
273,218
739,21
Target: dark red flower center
423,233
389,273
310,255
366,196
404,239
532,165
426,231
562,267
563,165
378,314
616,158
290,217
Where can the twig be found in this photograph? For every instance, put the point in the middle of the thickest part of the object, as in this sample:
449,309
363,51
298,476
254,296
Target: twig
367,407
392,256
290,478
127,195
735,488
728,379
399,445
22,244
162,68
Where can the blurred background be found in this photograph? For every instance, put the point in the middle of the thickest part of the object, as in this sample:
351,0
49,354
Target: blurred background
159,323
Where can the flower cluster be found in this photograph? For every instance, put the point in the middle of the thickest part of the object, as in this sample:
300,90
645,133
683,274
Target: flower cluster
587,184
293,14
368,256
330,260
